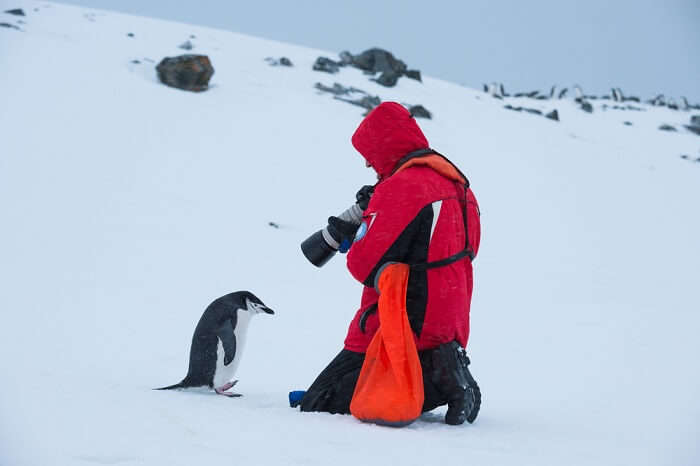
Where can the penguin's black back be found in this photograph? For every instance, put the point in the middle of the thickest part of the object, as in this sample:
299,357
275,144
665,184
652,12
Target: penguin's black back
203,351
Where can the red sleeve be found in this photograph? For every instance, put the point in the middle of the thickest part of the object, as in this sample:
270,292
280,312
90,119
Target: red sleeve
394,204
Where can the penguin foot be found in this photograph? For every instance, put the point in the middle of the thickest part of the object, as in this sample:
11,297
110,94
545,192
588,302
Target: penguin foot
227,386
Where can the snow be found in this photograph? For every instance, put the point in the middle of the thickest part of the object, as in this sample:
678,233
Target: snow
127,206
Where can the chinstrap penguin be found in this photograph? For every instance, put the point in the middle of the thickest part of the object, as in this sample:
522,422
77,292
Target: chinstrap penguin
218,341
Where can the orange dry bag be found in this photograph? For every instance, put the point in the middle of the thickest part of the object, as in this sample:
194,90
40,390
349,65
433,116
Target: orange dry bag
389,390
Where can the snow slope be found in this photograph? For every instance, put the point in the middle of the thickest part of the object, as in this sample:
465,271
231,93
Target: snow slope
127,206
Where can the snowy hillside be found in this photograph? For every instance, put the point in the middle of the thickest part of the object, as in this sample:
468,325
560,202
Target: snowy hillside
127,206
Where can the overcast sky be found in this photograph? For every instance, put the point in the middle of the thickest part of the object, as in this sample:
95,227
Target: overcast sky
645,47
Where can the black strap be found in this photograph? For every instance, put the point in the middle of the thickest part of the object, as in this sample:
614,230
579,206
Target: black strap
467,251
446,261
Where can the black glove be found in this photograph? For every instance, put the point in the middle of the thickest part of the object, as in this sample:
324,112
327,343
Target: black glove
343,232
363,196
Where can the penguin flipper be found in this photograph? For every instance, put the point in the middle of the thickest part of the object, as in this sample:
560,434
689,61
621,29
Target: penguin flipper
228,341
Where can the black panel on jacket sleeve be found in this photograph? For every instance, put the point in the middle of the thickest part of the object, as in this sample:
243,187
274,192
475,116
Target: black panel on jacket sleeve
409,248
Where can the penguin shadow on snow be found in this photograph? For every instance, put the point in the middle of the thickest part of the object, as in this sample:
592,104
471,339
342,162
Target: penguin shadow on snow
218,341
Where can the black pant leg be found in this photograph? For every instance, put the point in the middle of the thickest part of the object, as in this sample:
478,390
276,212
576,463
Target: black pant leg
333,388
434,397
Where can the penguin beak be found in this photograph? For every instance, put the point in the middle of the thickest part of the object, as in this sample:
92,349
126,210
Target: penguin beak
258,308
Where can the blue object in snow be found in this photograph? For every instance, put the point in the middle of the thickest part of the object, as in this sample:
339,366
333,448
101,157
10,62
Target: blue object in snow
295,398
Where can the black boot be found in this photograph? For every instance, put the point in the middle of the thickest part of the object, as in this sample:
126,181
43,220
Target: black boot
451,374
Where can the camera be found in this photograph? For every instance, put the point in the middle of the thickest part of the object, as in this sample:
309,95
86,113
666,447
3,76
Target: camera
320,247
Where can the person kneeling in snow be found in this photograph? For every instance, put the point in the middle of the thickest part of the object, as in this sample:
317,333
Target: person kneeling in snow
421,213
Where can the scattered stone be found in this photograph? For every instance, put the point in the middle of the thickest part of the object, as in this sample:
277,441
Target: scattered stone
376,60
351,95
586,106
666,127
16,12
283,61
414,74
418,111
136,62
694,125
187,45
11,26
274,225
685,157
627,123
131,34
326,65
367,102
187,72
553,115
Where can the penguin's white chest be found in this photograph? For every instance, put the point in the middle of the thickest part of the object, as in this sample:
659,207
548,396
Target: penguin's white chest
225,373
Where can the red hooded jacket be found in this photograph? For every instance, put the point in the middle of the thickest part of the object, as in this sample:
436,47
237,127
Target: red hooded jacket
416,215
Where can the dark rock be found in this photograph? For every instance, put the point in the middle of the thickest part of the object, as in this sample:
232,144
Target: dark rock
627,123
136,62
388,78
533,111
553,115
351,95
187,45
685,157
586,106
367,102
273,224
563,92
131,34
516,109
326,65
532,94
284,61
693,129
617,94
485,87
418,111
187,72
192,36
376,60
633,99
339,89
541,97
8,25
695,120
552,91
345,58
16,12
666,127
672,104
502,90
414,74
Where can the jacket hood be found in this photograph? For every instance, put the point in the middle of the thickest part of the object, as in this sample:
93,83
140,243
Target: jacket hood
387,134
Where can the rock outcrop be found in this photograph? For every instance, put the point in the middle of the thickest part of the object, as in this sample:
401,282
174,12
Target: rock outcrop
186,72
